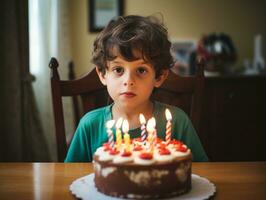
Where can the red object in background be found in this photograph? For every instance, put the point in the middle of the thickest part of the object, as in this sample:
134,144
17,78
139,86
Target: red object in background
218,52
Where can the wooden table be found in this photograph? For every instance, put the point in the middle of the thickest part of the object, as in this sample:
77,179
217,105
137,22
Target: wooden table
241,180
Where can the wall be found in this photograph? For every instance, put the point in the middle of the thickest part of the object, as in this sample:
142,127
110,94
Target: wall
184,19
82,40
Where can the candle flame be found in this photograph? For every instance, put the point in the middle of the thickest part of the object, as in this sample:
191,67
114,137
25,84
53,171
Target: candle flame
119,123
151,124
142,119
110,124
168,114
125,126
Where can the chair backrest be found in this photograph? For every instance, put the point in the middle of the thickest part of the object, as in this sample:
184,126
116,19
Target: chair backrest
184,92
93,95
75,99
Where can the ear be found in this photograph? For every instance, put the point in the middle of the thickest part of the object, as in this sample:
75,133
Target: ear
159,81
101,76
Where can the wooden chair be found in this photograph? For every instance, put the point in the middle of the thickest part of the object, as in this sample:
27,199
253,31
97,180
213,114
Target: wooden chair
75,98
184,92
93,95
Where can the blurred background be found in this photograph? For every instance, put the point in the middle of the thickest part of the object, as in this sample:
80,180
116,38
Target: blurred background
229,34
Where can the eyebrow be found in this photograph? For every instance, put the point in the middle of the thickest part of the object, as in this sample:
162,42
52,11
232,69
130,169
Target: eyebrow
118,62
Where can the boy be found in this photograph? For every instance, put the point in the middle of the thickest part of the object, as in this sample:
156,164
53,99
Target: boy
132,57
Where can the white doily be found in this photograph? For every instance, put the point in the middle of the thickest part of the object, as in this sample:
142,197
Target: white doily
85,189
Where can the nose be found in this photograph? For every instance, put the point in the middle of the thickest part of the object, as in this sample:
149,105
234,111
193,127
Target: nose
129,80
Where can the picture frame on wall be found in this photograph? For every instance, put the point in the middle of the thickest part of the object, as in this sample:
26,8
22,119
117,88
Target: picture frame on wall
102,11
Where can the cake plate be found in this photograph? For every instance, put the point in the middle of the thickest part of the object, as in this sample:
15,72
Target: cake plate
85,189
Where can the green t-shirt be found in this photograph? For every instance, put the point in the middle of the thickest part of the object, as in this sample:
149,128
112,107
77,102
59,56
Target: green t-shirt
91,132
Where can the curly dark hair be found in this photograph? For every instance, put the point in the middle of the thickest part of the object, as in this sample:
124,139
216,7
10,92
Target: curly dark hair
130,34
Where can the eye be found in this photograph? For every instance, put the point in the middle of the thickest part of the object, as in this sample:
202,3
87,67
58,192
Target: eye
118,70
142,70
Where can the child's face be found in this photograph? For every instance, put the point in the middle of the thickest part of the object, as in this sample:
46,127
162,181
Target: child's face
130,84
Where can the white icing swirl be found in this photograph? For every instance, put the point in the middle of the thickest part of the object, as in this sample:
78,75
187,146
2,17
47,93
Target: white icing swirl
163,158
106,156
179,154
99,151
123,159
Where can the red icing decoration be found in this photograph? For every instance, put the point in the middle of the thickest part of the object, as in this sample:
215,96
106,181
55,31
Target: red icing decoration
146,156
126,154
176,142
181,148
106,144
164,151
107,148
162,146
158,140
114,152
137,148
136,140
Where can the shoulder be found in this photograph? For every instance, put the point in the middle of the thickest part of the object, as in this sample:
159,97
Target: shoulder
91,131
175,111
181,123
179,118
96,117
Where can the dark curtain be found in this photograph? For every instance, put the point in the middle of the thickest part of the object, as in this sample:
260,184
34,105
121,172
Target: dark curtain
21,135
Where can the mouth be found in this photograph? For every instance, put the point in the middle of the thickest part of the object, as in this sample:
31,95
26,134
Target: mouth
128,94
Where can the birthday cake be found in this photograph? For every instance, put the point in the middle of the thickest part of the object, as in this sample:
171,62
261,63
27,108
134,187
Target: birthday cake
139,173
145,167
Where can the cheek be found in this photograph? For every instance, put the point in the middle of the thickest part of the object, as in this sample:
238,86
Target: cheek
112,88
147,88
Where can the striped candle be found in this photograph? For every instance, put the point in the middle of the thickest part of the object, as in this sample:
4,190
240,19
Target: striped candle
125,128
154,131
118,133
109,125
143,127
168,126
150,130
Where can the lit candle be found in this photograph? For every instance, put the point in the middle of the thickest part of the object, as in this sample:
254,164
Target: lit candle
118,133
154,125
168,126
150,130
142,122
125,128
109,125
154,131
